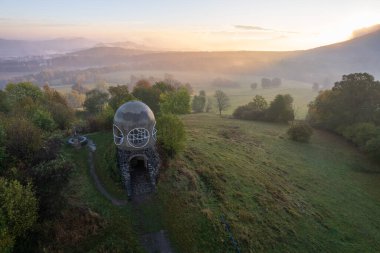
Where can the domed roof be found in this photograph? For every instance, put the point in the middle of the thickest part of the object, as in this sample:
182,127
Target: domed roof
135,112
134,126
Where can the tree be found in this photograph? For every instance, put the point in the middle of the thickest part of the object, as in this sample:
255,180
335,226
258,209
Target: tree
147,94
18,212
253,86
119,95
23,139
19,91
50,179
95,101
163,87
208,105
352,100
43,120
176,102
266,83
254,110
2,145
75,99
276,82
222,101
281,109
315,87
373,148
171,134
199,102
300,132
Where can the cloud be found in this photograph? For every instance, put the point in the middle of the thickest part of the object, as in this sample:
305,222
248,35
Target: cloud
259,28
251,27
365,30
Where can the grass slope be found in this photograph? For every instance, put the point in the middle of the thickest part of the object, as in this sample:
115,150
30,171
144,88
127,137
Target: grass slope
277,195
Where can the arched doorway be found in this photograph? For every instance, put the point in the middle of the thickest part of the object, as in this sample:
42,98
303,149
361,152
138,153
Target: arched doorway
140,179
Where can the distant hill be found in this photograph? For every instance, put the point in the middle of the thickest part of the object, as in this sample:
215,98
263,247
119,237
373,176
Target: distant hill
327,63
24,48
323,64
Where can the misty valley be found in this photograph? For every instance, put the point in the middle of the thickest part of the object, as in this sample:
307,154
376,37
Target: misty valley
207,127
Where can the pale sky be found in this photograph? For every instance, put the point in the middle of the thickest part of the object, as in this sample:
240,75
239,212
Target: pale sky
191,25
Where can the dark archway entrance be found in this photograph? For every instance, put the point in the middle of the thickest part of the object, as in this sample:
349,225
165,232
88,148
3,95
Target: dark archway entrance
140,180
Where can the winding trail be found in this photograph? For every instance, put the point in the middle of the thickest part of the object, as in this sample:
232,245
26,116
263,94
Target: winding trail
91,149
156,242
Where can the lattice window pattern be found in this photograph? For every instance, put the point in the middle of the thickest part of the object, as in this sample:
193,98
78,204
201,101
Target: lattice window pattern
138,137
154,132
118,136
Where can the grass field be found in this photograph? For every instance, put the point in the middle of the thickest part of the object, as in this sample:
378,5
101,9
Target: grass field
301,92
277,195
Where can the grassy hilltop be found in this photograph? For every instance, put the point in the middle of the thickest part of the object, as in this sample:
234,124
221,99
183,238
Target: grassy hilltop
277,195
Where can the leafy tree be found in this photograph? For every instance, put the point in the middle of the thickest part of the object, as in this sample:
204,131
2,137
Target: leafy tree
43,120
50,179
208,105
300,132
361,133
254,110
281,109
266,83
119,95
18,211
75,99
95,101
352,100
4,106
17,92
163,87
2,145
222,101
276,82
23,139
315,87
253,86
372,147
176,102
199,102
147,94
171,134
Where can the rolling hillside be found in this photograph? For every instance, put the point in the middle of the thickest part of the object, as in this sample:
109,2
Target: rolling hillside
276,195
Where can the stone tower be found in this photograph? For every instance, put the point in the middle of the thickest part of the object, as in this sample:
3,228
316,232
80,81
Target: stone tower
134,135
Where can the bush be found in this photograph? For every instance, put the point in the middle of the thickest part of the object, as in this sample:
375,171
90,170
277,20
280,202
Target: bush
18,212
373,148
171,134
361,133
22,138
300,132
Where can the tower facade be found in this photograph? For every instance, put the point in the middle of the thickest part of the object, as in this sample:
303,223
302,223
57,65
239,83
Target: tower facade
134,135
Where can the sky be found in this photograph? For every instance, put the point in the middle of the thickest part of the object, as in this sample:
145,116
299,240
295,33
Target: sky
208,25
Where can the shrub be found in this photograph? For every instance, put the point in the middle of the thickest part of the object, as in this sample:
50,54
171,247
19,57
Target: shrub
372,148
22,138
300,132
171,134
360,133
